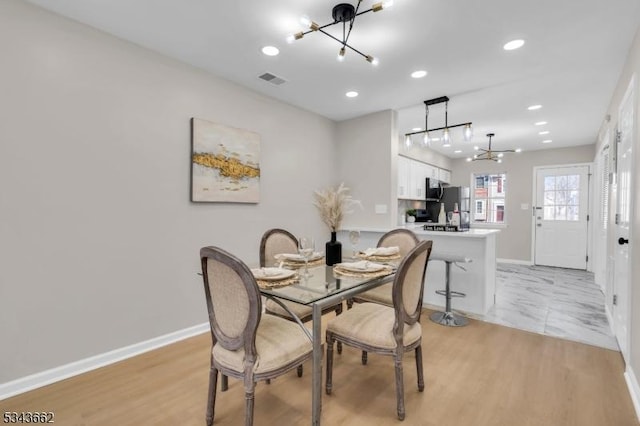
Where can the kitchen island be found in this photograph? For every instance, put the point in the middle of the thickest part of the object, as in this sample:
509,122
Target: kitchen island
477,281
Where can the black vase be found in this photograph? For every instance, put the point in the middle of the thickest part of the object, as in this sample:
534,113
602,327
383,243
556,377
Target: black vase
333,251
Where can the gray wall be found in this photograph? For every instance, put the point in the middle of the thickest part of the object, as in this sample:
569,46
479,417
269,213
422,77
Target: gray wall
514,240
366,161
98,240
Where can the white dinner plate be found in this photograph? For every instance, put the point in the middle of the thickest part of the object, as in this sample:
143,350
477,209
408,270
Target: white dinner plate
272,274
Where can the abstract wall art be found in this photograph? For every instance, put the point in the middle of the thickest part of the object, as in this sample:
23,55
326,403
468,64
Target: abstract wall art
225,163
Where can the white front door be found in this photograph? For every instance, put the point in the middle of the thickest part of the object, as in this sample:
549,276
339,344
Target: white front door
621,230
561,216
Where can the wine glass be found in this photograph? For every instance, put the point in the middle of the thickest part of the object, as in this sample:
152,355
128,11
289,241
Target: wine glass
306,247
354,237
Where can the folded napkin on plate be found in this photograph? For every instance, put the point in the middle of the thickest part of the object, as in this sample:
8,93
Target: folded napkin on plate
295,257
363,265
268,272
382,251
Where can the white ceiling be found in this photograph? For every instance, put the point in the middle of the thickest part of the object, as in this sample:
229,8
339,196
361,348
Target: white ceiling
572,59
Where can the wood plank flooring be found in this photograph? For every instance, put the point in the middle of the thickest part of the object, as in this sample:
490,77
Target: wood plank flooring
482,374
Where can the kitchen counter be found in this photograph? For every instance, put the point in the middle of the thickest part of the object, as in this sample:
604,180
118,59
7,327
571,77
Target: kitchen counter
477,281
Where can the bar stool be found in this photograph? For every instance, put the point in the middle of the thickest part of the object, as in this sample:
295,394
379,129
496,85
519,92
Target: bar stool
448,318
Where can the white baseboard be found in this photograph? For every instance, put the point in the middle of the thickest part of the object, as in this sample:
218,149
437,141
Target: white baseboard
25,384
634,389
515,261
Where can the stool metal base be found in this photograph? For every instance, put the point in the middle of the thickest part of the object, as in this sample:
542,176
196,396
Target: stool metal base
448,319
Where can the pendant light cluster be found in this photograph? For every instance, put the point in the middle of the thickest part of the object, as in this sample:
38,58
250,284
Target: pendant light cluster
346,14
490,154
428,134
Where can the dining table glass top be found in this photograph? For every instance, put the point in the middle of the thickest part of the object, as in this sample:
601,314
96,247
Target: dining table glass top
322,282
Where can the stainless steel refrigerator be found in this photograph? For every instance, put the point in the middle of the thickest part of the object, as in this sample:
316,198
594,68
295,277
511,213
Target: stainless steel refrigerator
450,196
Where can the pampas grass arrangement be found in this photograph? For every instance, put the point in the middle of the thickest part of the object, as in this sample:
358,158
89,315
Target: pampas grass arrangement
333,204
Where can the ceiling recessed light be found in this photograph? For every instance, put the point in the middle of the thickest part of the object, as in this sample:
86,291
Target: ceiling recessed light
544,132
513,45
418,74
457,151
351,94
416,129
534,107
547,141
270,50
540,123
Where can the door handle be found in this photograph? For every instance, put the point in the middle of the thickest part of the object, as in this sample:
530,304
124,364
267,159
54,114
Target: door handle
623,241
539,224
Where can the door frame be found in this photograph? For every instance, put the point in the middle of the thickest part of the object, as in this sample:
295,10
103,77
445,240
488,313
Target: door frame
534,188
630,93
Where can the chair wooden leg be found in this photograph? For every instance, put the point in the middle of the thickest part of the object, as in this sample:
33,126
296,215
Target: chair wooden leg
419,368
249,402
224,383
349,303
399,385
211,400
364,357
268,381
300,370
328,382
339,347
249,397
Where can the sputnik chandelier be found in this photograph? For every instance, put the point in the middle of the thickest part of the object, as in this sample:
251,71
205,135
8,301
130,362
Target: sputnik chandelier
428,134
346,14
490,154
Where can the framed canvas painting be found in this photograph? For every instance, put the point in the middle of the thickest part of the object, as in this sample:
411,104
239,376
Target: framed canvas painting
225,163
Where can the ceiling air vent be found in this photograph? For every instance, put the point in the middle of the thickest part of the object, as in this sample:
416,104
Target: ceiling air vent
270,78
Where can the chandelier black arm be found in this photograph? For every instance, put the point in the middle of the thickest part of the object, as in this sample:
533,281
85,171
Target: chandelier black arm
344,44
437,128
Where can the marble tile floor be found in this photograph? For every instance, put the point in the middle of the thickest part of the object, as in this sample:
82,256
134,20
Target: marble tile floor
558,302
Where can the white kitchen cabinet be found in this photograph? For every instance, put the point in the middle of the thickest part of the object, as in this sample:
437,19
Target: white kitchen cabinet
403,177
417,174
432,172
411,178
444,175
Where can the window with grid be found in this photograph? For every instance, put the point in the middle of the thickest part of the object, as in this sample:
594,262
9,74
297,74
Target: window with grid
562,197
489,193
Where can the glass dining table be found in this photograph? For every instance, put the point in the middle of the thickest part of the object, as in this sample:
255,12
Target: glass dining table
322,288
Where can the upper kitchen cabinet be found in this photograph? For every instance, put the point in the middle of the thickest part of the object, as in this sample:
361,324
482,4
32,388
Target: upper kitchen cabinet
444,176
412,175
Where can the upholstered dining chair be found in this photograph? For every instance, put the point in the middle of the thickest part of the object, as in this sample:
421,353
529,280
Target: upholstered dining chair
276,241
387,330
405,240
245,344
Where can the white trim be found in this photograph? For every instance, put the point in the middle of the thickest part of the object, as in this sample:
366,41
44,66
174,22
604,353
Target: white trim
607,311
515,261
634,389
43,378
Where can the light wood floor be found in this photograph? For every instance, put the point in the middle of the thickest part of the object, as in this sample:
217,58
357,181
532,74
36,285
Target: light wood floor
482,374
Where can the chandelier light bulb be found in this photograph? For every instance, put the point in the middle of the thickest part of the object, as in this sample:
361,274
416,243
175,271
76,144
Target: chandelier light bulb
499,160
446,138
291,38
468,159
519,150
372,60
306,21
467,132
426,139
407,141
341,55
